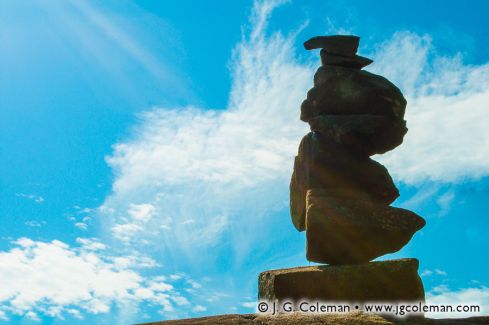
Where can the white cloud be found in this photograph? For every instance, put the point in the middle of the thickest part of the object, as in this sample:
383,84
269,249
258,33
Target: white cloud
142,212
125,231
180,301
81,225
439,272
249,304
161,286
90,244
423,194
426,273
34,223
447,112
445,201
194,284
32,197
198,309
33,316
75,313
133,226
134,262
54,279
442,295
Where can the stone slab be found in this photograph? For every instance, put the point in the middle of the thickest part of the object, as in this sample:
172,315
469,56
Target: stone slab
382,281
345,231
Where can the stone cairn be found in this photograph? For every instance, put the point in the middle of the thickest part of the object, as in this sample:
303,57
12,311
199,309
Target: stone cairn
340,196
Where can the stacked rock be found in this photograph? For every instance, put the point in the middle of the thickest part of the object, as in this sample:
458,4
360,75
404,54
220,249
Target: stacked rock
338,194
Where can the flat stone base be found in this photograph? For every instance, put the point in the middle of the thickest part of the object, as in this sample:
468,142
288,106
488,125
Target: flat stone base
384,281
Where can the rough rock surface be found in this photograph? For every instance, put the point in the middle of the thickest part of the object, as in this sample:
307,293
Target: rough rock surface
365,133
346,45
346,231
354,62
393,281
353,114
323,164
343,91
330,319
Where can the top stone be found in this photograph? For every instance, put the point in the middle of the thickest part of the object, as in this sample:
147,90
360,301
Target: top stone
344,45
338,50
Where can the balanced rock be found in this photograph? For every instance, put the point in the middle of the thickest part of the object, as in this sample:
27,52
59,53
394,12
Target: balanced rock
351,231
323,164
365,133
339,195
354,62
330,165
343,91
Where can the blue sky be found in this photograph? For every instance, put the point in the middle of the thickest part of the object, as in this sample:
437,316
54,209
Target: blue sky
147,146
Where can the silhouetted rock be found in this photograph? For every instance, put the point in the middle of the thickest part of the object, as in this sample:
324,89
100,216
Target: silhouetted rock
338,50
369,134
353,114
350,231
346,45
324,164
340,196
344,91
393,281
354,62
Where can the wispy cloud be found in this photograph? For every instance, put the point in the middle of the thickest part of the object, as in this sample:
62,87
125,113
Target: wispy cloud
438,272
434,194
81,225
33,197
34,223
445,201
207,172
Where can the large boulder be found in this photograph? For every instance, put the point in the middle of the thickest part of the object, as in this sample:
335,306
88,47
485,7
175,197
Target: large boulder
366,133
346,91
323,163
351,231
